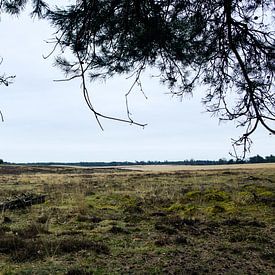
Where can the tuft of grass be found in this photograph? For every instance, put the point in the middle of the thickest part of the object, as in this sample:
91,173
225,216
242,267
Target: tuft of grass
21,249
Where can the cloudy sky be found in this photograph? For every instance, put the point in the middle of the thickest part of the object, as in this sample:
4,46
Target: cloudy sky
49,121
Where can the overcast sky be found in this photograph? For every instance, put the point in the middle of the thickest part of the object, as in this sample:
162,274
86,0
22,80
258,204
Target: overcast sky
49,121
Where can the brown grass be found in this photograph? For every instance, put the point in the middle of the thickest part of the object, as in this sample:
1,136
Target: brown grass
173,168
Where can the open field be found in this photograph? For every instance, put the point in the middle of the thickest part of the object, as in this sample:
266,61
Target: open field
173,168
154,220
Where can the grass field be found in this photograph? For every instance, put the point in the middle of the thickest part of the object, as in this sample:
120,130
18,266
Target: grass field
158,220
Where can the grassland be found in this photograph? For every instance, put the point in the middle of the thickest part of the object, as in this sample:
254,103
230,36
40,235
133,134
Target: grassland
116,221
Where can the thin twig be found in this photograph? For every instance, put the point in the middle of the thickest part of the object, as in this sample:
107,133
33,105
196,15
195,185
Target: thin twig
97,114
2,117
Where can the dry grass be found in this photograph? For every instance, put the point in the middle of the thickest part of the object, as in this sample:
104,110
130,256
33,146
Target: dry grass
174,168
109,221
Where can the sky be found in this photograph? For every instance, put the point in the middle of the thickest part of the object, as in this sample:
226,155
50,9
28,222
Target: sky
49,121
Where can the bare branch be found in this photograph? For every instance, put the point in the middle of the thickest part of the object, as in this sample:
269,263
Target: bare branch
97,114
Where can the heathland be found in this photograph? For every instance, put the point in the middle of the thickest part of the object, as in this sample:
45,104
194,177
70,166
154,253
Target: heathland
139,220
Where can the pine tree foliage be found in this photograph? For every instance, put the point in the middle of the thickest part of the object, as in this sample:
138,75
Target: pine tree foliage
14,7
226,46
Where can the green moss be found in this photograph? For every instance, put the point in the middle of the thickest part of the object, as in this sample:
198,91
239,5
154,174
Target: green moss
175,207
193,195
216,195
267,194
190,211
255,189
207,195
102,229
113,201
244,197
227,208
218,209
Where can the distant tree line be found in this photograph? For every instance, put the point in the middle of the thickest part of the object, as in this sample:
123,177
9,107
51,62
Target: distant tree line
259,159
254,159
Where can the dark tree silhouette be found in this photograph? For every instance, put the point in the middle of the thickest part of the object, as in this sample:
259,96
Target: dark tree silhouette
228,46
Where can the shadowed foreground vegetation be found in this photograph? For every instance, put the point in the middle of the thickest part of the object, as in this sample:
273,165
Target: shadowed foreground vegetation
111,221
